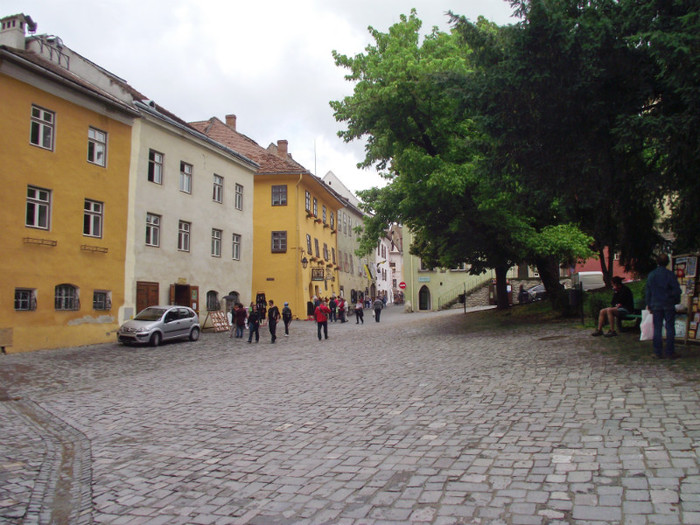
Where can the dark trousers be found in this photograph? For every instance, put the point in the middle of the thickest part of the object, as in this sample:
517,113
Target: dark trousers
286,325
377,313
254,330
668,315
272,325
360,316
324,325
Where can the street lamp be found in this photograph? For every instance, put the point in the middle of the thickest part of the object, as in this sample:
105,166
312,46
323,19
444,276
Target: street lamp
304,260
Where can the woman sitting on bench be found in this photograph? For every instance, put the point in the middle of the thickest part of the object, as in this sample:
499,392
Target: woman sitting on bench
622,304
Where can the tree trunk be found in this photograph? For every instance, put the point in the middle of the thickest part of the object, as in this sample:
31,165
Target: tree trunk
606,266
502,301
548,268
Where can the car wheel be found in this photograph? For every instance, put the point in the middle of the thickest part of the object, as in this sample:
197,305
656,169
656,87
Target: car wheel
194,334
156,339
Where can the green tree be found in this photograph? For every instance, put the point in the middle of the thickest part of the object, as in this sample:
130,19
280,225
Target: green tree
412,102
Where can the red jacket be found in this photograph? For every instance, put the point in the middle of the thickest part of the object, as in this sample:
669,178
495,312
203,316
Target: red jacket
322,311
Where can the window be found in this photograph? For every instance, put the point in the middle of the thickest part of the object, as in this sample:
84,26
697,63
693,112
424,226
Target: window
345,224
218,191
183,236
279,241
332,220
216,236
324,213
279,195
307,201
152,229
155,167
236,247
25,299
41,133
185,177
352,265
239,197
101,300
318,253
315,207
325,251
38,208
346,266
92,218
213,301
333,252
66,297
97,147
308,244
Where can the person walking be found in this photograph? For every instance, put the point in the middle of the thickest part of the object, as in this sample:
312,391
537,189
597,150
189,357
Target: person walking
233,320
359,312
321,315
286,318
341,309
254,324
333,304
241,316
273,315
662,294
378,305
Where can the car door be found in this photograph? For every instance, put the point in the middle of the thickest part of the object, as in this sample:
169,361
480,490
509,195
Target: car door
172,326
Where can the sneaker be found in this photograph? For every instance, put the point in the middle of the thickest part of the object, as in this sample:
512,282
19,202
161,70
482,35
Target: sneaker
597,333
611,333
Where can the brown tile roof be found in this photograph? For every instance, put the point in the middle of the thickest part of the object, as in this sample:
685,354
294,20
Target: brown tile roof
270,162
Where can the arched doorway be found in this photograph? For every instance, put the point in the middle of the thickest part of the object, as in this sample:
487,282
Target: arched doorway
424,298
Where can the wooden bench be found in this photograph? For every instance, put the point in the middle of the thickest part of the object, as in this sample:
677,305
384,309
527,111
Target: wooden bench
635,315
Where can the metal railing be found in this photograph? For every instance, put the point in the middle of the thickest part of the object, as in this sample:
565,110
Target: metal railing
470,283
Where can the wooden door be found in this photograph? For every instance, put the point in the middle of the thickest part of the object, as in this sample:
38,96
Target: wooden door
146,295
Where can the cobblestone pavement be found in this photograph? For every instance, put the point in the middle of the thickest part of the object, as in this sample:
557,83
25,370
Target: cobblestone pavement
417,419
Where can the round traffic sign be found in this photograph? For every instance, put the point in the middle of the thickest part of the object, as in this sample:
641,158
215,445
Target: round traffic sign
402,285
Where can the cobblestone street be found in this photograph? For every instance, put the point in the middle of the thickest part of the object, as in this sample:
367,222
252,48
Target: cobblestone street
416,419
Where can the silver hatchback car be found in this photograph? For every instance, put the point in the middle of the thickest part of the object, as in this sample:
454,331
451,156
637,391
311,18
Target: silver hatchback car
156,324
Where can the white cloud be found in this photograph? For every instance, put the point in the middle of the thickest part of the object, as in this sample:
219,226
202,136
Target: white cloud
269,63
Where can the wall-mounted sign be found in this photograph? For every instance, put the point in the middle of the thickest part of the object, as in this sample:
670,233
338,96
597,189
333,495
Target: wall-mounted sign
318,274
424,279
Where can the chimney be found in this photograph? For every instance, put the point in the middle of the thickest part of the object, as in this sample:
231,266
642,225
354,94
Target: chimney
13,30
231,121
282,148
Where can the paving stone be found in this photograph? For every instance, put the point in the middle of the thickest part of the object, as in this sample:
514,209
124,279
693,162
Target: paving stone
433,422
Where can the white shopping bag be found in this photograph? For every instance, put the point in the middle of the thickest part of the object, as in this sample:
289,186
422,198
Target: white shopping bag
647,326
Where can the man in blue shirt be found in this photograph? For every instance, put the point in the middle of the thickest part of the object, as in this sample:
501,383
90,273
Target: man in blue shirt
662,295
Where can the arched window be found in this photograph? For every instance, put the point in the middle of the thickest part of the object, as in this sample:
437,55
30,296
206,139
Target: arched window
67,297
213,301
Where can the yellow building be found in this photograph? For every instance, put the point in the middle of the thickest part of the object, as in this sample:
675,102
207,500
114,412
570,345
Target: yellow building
63,210
294,223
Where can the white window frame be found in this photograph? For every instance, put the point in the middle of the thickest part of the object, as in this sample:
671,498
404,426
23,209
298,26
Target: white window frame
25,299
156,166
42,128
66,298
279,195
236,247
185,177
315,210
218,189
183,236
101,300
153,229
279,241
239,197
307,201
216,237
97,147
93,218
38,209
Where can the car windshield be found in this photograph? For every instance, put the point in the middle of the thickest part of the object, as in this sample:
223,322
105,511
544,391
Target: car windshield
150,314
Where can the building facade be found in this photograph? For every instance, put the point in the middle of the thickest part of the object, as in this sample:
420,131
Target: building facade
190,233
66,146
295,254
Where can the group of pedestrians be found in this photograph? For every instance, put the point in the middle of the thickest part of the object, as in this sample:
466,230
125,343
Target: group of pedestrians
242,317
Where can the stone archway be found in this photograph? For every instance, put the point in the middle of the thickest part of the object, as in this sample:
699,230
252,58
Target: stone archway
424,298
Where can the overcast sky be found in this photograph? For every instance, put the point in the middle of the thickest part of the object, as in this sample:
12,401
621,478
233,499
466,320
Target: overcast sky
268,62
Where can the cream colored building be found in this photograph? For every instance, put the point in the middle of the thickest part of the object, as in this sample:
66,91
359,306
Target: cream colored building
190,229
